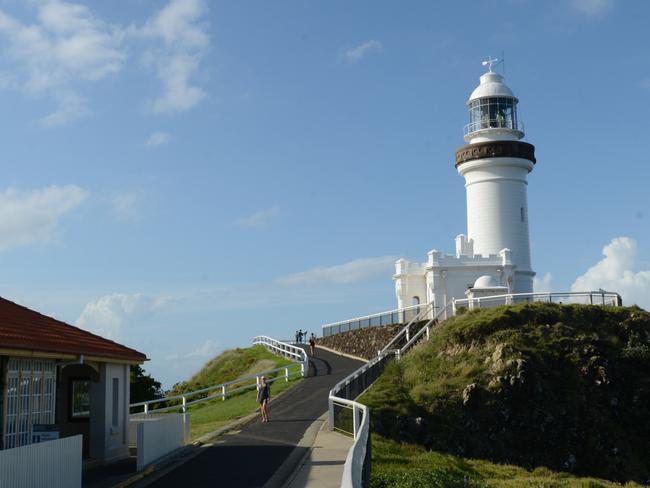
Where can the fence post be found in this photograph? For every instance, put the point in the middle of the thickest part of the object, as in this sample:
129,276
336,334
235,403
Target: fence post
408,333
286,375
223,392
427,332
184,406
146,408
330,408
355,421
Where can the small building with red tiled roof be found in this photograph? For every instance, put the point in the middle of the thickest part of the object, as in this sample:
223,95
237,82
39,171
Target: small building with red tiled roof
63,380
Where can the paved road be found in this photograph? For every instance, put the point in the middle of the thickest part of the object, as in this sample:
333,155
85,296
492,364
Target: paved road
251,457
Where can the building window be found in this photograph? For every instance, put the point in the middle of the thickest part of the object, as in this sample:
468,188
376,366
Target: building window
116,401
79,399
523,214
30,399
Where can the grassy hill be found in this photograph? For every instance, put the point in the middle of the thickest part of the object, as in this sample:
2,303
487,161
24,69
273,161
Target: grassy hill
232,364
564,387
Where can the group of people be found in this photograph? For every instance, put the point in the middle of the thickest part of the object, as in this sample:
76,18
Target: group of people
300,336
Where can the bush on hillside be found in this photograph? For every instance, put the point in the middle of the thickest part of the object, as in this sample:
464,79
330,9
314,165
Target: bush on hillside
561,386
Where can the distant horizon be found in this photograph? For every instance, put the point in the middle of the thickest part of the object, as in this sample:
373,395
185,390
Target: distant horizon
181,176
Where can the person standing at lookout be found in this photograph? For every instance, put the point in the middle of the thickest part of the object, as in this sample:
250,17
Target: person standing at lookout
264,397
312,343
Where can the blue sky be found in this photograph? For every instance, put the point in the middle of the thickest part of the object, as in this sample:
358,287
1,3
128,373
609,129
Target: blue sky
182,175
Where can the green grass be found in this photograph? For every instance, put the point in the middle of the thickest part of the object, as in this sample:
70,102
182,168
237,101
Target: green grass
411,466
232,364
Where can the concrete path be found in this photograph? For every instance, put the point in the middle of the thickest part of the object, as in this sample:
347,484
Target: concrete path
267,454
323,467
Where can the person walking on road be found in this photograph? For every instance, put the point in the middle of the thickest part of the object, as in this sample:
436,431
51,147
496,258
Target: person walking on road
264,397
312,343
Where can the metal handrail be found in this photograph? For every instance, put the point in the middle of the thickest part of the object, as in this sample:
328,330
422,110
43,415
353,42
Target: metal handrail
401,312
426,329
406,329
606,297
296,353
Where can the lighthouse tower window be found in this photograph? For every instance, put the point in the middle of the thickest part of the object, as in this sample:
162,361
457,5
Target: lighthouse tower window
491,113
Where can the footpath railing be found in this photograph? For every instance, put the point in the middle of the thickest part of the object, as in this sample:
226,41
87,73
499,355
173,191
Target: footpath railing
353,418
599,297
181,401
390,317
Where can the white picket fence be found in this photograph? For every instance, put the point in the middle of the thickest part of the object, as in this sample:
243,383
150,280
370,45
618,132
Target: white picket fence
51,464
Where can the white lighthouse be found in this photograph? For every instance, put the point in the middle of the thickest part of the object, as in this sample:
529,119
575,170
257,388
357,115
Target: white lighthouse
494,256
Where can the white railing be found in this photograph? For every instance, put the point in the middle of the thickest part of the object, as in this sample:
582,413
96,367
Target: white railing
353,418
223,390
599,297
50,464
356,471
390,317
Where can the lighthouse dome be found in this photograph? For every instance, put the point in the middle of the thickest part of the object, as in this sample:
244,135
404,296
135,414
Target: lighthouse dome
486,281
491,85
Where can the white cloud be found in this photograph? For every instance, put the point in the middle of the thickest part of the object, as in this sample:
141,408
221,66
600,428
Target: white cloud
355,54
543,284
592,8
619,272
183,32
27,217
157,139
126,206
261,218
350,272
66,44
110,315
207,350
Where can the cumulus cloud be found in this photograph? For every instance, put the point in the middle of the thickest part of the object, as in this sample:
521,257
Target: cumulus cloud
157,139
33,216
350,272
65,46
592,8
543,284
109,315
181,27
207,350
355,54
619,271
261,218
66,43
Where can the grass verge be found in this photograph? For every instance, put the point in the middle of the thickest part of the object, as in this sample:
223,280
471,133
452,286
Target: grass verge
411,466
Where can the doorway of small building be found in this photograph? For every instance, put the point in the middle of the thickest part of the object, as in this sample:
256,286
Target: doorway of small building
75,402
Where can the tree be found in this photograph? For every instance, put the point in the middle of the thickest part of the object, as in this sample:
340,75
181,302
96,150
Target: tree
143,386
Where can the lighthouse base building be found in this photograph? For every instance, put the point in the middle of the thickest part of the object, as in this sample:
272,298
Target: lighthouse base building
493,258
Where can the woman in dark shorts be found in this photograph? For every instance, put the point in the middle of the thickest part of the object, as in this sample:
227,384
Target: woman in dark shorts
263,398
